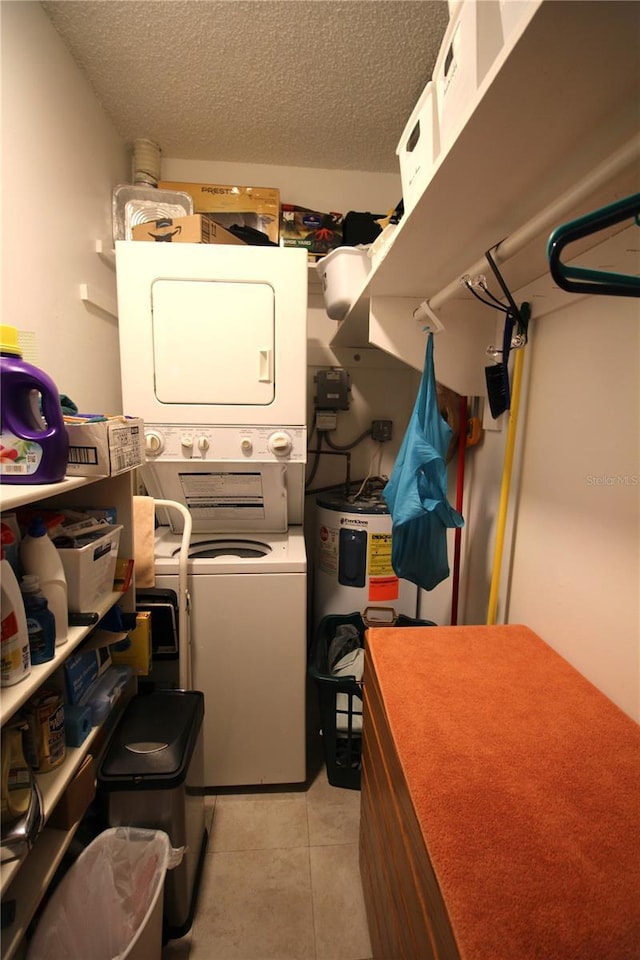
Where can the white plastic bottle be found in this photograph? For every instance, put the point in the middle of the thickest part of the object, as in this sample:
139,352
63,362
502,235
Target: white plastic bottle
16,658
39,556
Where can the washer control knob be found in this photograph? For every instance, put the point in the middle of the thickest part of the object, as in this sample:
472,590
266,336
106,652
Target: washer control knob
203,444
280,443
153,443
246,445
186,443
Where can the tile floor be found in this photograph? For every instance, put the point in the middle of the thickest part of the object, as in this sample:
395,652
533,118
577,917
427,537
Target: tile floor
281,878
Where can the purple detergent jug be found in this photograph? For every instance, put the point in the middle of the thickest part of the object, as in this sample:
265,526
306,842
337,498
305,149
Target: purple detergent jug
33,436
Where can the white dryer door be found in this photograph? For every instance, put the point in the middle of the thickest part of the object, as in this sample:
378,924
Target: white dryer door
213,342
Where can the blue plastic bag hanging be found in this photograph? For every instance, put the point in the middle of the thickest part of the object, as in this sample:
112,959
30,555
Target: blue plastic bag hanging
416,493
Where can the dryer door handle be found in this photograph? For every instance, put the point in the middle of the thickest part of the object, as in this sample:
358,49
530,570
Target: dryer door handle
265,366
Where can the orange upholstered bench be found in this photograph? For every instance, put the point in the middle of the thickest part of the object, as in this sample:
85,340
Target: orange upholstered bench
500,802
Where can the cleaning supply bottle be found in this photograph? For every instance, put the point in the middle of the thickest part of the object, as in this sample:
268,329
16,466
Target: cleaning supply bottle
40,557
41,623
33,436
15,656
10,537
16,775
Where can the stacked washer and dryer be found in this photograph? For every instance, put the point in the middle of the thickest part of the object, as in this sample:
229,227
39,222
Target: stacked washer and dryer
213,357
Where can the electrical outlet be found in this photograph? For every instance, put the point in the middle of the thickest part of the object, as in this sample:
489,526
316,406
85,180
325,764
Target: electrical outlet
381,430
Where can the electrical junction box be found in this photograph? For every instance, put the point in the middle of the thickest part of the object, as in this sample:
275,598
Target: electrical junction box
326,420
381,430
332,389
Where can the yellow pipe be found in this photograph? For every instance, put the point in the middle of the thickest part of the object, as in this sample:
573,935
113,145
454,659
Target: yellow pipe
506,485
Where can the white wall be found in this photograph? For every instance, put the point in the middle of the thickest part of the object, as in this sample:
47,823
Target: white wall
576,561
571,567
61,158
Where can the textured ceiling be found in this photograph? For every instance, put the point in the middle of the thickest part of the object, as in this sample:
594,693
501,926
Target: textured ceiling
311,83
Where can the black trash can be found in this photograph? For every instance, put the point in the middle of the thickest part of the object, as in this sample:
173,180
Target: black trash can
152,776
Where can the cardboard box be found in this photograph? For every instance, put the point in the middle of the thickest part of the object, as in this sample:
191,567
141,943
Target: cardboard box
257,207
75,801
90,566
198,228
104,448
138,654
317,233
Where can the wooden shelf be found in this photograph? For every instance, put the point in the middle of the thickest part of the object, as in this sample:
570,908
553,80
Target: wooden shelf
17,495
560,99
44,860
27,879
15,696
52,785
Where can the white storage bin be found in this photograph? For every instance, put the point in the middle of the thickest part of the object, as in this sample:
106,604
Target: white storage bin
343,274
419,147
471,43
89,568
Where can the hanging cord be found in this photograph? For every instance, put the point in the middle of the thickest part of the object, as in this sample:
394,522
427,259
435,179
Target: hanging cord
332,453
470,285
520,314
316,453
347,446
378,454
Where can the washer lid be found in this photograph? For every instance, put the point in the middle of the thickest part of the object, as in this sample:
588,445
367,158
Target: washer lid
212,549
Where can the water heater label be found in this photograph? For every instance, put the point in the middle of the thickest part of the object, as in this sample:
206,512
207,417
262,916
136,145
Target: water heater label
383,583
380,555
328,550
384,588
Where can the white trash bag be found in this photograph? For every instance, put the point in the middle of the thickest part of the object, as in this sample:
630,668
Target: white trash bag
108,906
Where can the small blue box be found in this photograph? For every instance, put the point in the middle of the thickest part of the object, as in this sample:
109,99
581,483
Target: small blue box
82,669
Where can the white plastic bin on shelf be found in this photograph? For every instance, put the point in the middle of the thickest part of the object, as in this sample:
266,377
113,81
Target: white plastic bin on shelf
343,273
419,147
90,565
109,904
471,43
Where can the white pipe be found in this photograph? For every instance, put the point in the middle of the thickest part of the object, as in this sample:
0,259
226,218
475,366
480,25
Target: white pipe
550,216
184,645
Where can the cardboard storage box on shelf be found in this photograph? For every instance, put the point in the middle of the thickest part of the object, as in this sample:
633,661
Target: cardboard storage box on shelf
75,801
138,654
89,567
317,233
104,448
197,228
256,207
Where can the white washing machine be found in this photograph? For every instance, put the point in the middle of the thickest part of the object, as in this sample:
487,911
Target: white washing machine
213,355
248,642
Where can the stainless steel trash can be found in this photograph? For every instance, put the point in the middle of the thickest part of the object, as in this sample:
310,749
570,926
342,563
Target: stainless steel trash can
152,776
